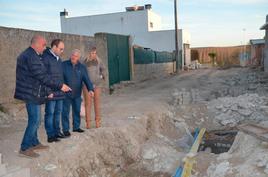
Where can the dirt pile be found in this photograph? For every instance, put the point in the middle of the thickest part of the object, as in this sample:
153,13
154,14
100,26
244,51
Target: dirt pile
234,110
247,157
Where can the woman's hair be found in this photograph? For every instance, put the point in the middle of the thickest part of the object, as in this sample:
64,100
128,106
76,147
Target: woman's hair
92,48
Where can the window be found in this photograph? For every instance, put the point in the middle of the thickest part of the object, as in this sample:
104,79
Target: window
151,24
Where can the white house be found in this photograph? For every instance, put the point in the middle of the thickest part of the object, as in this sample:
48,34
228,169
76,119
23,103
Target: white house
140,22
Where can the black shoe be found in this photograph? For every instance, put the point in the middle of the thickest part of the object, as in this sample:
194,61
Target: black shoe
67,134
79,130
53,139
60,135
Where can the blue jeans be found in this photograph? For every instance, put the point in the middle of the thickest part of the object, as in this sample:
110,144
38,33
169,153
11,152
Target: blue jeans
53,111
76,106
30,137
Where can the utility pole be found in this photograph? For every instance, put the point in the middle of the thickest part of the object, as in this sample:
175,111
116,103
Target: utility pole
176,36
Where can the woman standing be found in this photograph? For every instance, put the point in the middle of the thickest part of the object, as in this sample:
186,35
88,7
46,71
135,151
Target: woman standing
96,72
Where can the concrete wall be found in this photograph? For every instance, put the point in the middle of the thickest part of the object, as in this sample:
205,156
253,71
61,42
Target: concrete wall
102,51
147,71
265,53
14,41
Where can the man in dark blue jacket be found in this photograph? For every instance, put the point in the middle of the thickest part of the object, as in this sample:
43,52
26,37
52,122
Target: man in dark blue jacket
53,109
32,87
75,75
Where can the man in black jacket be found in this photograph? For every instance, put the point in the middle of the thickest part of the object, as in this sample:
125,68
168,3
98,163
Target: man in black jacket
53,63
32,87
75,75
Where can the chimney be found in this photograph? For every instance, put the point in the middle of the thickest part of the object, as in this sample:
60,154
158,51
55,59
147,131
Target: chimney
64,13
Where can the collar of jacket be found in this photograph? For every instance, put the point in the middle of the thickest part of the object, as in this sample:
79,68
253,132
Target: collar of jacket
70,63
57,57
48,51
34,51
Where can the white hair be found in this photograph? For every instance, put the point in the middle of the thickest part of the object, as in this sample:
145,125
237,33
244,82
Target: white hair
76,51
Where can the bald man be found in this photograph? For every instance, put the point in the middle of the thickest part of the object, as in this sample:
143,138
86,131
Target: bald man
33,86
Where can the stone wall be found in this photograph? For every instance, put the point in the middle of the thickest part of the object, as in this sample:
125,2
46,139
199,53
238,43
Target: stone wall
148,71
13,41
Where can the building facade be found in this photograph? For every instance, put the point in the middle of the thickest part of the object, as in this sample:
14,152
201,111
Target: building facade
256,51
265,52
140,22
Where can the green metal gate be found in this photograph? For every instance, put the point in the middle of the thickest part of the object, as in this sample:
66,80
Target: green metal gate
118,58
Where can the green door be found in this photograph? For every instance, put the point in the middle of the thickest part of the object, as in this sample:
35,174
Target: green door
118,58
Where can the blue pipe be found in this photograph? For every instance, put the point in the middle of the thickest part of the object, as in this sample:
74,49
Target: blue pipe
178,172
196,132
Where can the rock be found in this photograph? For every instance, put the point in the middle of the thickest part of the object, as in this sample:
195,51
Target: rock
245,112
149,154
50,167
219,170
231,122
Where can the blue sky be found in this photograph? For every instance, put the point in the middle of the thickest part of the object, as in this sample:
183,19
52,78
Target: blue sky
210,22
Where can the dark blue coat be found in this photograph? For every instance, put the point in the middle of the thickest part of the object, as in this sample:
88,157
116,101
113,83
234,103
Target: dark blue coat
75,76
32,79
54,69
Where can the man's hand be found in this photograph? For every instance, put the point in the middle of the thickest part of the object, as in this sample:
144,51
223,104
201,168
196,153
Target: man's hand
65,88
91,93
51,95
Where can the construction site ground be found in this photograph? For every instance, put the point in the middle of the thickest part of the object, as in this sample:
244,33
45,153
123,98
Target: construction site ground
146,129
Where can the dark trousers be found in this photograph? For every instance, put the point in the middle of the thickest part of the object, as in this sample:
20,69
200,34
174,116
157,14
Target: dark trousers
30,138
53,111
76,106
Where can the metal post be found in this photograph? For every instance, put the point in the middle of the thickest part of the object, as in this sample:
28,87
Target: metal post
176,37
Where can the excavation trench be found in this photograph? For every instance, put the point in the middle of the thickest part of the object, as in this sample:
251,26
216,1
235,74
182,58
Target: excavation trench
147,146
218,141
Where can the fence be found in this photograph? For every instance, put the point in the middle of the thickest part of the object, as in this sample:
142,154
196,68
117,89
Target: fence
225,55
148,56
149,64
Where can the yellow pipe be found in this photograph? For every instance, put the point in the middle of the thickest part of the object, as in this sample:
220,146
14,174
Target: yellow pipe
190,160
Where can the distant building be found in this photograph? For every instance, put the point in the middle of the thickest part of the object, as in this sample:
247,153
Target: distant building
265,53
140,22
257,48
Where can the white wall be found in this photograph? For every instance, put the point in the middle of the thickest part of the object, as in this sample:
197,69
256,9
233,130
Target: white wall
126,23
155,20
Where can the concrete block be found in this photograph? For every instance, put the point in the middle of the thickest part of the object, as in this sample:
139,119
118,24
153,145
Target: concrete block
3,169
21,172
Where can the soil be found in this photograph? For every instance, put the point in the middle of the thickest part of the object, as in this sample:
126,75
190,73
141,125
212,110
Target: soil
142,124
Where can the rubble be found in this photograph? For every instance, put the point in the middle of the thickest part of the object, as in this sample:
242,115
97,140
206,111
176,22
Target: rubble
184,97
4,119
234,110
194,65
159,157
